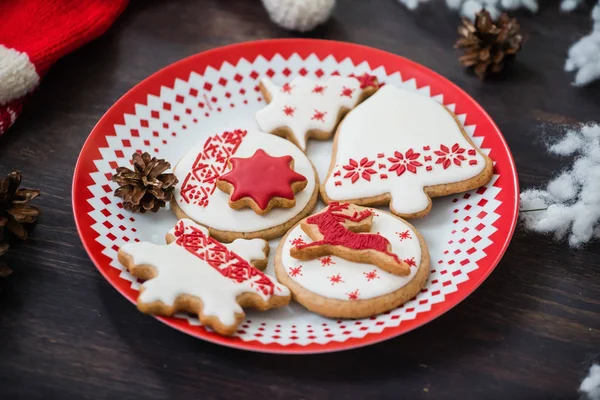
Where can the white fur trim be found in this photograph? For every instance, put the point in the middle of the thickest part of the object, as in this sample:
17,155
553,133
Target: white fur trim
17,75
296,15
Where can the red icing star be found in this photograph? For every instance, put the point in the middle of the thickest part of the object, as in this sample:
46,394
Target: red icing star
366,80
287,88
319,89
319,116
261,178
289,111
347,92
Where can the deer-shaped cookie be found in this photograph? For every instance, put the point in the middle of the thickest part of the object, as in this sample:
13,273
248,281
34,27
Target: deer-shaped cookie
341,230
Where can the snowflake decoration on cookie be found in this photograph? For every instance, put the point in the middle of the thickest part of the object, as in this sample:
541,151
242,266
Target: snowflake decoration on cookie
405,162
335,279
316,106
319,115
289,111
353,295
448,156
404,235
347,92
262,178
366,80
325,261
357,170
295,271
319,89
297,241
371,275
411,261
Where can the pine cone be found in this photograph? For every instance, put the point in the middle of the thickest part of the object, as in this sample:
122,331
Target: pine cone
145,188
488,44
14,210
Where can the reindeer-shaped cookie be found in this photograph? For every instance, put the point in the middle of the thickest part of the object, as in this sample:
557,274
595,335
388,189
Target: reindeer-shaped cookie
341,230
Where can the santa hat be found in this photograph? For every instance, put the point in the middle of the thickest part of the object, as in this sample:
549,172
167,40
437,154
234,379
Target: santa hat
34,34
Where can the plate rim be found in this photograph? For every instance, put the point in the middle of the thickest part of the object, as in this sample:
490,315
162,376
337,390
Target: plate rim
250,51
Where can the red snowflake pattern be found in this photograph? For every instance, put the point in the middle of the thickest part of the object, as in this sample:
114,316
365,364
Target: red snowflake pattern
319,89
319,116
411,261
356,170
366,80
295,271
287,88
371,275
325,261
405,162
404,235
337,278
353,295
447,156
347,92
289,111
298,241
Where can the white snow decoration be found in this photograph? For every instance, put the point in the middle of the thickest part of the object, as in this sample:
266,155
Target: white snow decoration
590,386
584,55
571,201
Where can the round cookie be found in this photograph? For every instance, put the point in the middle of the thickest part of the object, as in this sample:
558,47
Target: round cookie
337,288
401,148
197,196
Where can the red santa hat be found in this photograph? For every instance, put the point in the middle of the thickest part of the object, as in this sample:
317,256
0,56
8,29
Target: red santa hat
34,34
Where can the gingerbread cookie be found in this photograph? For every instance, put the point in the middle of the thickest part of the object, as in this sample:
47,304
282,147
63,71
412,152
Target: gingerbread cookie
198,172
303,108
336,287
197,274
401,148
261,195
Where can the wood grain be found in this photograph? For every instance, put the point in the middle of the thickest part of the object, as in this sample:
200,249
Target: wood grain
529,332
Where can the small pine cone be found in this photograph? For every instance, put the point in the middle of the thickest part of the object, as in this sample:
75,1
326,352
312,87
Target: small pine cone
147,187
488,45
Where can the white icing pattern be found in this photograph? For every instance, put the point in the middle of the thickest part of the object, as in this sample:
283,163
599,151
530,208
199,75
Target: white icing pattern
303,105
336,278
195,264
398,142
196,192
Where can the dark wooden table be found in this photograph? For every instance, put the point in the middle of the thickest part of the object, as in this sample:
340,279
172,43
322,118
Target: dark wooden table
528,333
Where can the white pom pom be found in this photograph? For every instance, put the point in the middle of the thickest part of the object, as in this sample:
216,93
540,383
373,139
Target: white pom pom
299,15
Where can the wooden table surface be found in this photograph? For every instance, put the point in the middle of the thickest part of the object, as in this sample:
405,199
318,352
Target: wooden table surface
529,332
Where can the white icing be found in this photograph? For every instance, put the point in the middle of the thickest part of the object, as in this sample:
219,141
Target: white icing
392,120
181,272
305,103
251,250
316,277
219,215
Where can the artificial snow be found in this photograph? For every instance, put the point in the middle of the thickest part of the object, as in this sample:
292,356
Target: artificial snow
584,55
570,203
590,386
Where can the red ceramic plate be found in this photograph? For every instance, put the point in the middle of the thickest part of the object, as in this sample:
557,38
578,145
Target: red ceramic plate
207,93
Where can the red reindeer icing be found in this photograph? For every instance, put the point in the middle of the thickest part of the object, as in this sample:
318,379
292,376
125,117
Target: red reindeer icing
337,233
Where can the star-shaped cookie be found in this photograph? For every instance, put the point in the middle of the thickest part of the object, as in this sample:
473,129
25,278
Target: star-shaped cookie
262,182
